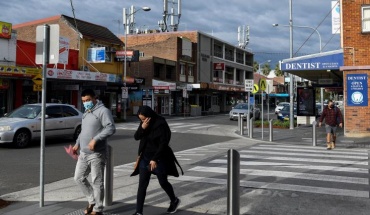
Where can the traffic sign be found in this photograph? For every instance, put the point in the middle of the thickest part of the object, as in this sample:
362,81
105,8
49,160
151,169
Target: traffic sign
37,87
249,85
255,88
262,84
124,92
37,79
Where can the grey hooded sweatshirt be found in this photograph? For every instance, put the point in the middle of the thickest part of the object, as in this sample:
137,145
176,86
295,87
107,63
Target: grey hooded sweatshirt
97,124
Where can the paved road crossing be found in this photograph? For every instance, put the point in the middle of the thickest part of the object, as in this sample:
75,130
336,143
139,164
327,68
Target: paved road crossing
343,172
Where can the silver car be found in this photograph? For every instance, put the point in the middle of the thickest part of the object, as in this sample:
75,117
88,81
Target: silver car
242,108
23,125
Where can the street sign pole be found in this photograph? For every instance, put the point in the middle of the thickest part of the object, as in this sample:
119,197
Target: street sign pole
45,62
249,88
47,52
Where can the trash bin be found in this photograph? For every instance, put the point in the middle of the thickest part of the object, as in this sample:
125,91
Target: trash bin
195,110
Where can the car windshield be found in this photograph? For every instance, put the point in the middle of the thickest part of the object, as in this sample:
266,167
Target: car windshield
26,111
283,104
287,108
241,106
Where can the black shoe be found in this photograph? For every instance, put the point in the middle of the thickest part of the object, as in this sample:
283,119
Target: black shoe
137,213
173,206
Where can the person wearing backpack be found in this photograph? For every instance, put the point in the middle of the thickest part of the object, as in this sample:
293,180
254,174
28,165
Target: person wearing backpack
333,118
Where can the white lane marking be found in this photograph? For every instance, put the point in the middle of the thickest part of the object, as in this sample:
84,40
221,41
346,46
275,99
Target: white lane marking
297,166
276,186
312,147
200,127
357,157
365,163
285,174
319,150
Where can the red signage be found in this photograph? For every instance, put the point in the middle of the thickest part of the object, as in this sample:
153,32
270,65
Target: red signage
218,66
122,54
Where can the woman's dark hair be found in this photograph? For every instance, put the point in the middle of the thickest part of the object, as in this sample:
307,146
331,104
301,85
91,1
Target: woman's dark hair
88,92
146,111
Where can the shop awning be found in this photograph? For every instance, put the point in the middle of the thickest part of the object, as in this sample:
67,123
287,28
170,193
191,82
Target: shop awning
317,68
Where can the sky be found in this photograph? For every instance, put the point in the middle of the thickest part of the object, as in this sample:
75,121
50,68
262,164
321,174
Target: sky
214,17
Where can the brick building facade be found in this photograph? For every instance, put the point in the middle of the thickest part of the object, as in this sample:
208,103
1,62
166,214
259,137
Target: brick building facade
187,58
356,48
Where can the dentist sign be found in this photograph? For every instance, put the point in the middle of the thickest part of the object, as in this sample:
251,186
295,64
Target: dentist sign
357,90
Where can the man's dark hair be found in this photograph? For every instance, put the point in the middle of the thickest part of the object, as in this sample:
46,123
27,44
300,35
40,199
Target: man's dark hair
88,92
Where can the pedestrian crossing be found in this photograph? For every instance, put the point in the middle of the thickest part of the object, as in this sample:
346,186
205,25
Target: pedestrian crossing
177,127
308,169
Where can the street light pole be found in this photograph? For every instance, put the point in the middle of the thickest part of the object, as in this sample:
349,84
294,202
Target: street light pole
127,29
259,65
300,26
291,115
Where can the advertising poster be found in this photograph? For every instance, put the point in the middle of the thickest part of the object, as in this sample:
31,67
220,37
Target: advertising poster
5,30
306,101
357,91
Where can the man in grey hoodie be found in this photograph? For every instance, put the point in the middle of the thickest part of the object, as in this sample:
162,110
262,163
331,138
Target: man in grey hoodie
97,126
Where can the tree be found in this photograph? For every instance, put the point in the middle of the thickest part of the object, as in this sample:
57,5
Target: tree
255,66
278,72
265,69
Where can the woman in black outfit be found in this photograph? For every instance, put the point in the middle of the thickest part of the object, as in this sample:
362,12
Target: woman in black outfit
156,157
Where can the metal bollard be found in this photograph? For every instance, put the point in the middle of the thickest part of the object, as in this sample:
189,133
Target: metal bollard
239,121
270,130
251,127
314,137
108,178
241,126
233,182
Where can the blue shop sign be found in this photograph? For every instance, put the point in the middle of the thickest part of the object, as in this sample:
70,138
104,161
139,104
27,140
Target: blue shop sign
357,91
328,62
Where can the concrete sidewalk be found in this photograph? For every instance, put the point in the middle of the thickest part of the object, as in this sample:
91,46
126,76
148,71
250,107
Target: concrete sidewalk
64,197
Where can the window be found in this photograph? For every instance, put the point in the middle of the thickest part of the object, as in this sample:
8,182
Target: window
69,111
169,70
54,111
190,70
366,19
157,70
182,69
108,51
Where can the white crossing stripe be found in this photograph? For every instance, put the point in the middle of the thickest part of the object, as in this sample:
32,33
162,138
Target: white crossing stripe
317,150
284,174
343,172
305,159
306,154
276,186
296,166
311,147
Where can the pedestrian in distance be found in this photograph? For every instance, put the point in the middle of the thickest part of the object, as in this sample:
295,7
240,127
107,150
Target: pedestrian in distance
155,157
333,118
97,125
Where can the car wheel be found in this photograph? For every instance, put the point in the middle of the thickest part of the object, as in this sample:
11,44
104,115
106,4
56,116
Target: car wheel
22,138
77,132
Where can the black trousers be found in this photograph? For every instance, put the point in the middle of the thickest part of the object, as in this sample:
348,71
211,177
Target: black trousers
144,179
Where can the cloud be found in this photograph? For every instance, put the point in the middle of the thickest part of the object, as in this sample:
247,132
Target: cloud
217,17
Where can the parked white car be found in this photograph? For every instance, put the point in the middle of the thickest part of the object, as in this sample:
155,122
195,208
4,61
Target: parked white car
242,108
280,106
23,124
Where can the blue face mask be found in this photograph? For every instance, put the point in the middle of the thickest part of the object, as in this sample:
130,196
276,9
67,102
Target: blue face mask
88,105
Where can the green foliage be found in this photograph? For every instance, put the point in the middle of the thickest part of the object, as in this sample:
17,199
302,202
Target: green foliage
275,123
278,72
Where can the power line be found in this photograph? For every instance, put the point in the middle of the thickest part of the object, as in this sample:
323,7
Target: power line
316,29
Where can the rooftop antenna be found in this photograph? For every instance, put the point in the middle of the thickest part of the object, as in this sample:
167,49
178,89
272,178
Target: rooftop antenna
174,24
243,36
